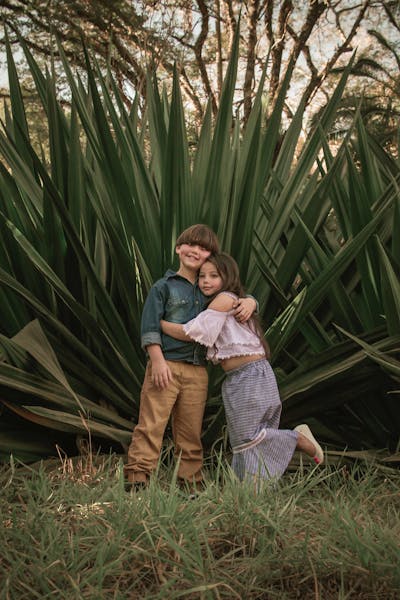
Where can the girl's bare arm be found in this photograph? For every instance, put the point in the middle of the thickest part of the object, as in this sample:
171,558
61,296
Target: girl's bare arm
174,330
222,303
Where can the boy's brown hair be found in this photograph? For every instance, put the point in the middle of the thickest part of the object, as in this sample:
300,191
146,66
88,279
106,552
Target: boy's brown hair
199,234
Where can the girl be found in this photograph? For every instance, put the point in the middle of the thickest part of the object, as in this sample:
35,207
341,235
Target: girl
250,393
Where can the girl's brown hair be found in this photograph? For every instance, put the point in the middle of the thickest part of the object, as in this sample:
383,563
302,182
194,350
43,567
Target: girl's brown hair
229,271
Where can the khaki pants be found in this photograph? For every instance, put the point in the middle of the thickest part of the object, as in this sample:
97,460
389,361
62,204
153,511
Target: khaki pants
184,400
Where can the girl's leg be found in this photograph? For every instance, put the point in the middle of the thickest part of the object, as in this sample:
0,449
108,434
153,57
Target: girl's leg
252,407
305,445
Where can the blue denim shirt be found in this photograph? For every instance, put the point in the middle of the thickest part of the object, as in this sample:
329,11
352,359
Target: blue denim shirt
175,299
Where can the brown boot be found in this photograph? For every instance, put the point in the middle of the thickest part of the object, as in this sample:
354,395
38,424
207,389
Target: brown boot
191,488
135,481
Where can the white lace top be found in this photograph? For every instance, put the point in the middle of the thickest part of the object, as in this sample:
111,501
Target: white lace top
223,335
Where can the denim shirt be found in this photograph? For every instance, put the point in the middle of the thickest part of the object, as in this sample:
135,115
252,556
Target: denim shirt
173,298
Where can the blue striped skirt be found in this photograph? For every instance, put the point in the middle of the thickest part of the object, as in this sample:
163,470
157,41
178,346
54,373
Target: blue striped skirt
253,409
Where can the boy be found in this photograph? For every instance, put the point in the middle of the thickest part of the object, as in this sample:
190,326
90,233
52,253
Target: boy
176,380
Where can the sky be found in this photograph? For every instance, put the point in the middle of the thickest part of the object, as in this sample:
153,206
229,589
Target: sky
3,70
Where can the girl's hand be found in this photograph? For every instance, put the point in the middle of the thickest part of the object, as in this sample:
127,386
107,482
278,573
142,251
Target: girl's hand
244,308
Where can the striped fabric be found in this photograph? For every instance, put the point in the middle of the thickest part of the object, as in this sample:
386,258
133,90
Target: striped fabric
253,410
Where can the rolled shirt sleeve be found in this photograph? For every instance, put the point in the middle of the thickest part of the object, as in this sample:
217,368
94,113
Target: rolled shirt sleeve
153,312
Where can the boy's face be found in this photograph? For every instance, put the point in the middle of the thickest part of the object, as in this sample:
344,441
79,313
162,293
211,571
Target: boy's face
192,256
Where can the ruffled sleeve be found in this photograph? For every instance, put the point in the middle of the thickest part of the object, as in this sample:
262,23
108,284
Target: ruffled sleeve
206,327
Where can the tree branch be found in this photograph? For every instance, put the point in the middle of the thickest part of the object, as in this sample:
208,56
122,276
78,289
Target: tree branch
317,80
198,50
278,47
253,12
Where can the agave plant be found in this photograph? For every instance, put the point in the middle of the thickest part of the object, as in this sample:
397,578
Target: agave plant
87,228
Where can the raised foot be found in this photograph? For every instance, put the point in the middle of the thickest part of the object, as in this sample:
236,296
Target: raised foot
317,454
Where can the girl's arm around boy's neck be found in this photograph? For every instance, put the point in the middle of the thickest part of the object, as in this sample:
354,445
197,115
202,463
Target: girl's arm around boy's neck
221,303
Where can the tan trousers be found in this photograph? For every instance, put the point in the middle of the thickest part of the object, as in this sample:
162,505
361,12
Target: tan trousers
184,400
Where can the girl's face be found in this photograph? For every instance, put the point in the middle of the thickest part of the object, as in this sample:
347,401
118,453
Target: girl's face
210,281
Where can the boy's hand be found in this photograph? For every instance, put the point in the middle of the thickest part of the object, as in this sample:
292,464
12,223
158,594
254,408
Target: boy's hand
244,308
160,373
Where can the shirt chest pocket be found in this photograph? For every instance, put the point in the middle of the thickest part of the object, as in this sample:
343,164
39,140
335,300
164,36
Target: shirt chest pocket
177,309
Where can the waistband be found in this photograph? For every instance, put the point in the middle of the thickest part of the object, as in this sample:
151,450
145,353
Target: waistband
245,366
182,362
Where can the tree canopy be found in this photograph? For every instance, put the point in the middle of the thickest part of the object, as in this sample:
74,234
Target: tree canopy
312,38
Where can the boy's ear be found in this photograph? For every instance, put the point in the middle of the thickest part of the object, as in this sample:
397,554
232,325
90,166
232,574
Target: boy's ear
177,249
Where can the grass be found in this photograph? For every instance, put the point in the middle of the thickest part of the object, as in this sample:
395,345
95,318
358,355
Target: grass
69,530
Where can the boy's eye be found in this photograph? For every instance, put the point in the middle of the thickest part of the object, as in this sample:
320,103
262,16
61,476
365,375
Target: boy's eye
202,248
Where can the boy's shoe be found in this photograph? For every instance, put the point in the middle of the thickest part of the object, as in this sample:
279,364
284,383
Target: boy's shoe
306,431
192,489
134,486
131,485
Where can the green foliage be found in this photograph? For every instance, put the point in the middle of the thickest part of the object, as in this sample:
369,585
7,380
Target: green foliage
86,232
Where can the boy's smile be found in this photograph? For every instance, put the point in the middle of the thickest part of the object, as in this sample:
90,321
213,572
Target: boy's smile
191,257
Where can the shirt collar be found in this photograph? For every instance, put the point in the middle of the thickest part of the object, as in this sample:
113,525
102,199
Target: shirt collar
170,274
